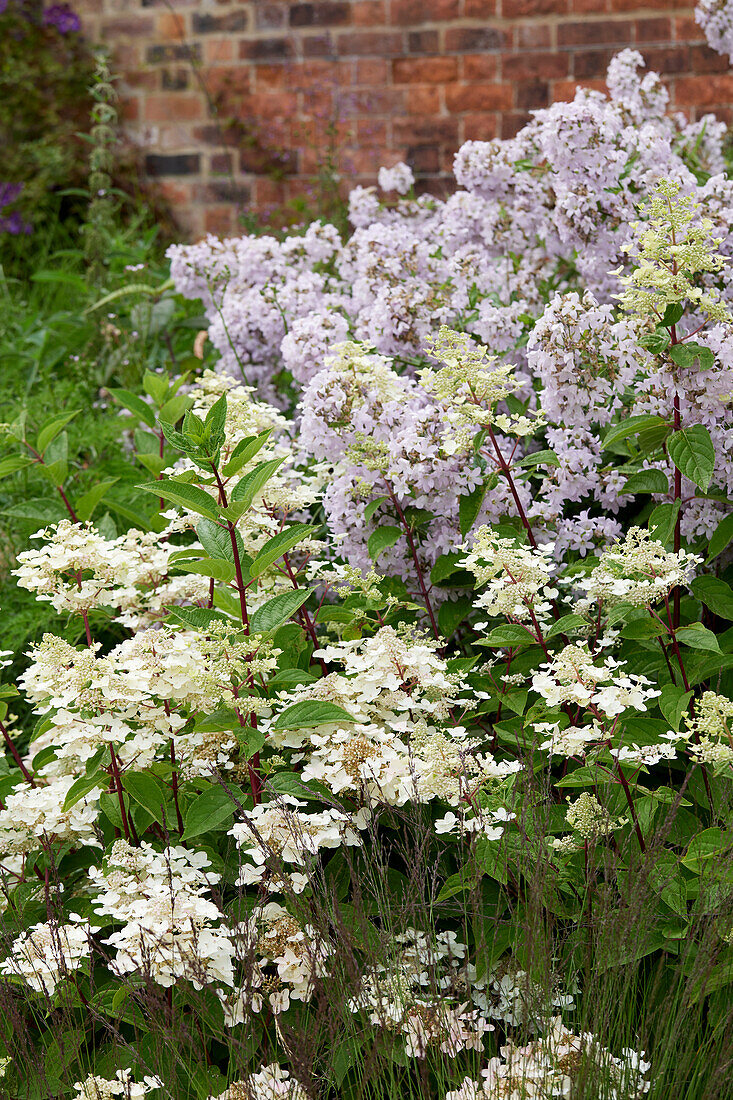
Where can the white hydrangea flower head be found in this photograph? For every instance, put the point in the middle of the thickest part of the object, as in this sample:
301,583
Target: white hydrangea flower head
45,954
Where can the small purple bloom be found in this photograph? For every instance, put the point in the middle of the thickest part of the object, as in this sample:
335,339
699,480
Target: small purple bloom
62,18
15,225
9,192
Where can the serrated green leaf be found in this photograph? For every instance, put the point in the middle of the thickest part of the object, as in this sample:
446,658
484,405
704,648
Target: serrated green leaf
674,703
310,713
278,610
372,507
692,451
381,539
51,429
692,356
85,505
135,405
672,314
716,594
452,613
643,628
646,481
632,425
82,786
13,463
445,566
197,618
252,483
662,521
217,568
217,541
720,538
469,507
188,497
209,810
565,624
278,545
539,458
155,385
148,792
697,636
509,634
245,451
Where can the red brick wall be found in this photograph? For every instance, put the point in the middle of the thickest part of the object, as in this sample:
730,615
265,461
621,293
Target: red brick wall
239,104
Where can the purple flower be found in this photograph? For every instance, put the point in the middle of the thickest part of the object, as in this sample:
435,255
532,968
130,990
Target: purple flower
62,18
13,224
9,192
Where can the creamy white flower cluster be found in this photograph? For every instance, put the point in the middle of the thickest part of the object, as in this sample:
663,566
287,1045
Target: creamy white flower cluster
400,746
284,957
638,570
278,832
414,995
470,385
121,1085
518,578
45,954
270,1083
550,1067
573,677
170,930
709,732
35,814
77,569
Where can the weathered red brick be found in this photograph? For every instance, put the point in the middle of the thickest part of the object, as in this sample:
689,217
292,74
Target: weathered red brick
474,39
590,63
532,36
687,30
265,49
423,41
672,60
530,66
368,13
516,9
480,66
511,122
703,91
370,44
480,126
424,159
318,45
636,5
422,100
532,94
478,97
272,16
429,70
321,13
218,49
414,12
588,6
372,71
597,32
704,60
653,30
566,89
173,107
479,9
415,131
